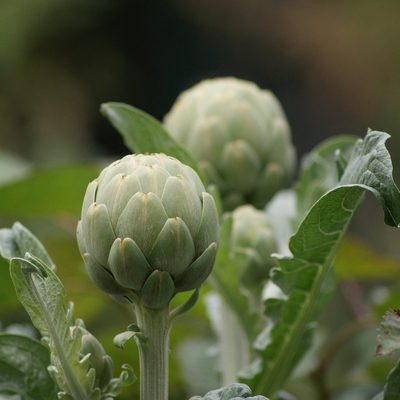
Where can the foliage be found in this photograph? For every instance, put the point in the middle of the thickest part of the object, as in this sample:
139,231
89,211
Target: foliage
278,319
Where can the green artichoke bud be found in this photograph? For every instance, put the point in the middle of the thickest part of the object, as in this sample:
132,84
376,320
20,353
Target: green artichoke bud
234,391
253,234
98,359
240,136
148,229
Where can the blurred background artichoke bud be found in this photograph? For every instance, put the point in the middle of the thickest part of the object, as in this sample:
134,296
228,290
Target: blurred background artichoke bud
253,234
148,229
240,136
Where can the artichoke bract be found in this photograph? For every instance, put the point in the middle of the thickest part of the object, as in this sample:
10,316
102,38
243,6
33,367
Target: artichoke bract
253,233
148,229
240,136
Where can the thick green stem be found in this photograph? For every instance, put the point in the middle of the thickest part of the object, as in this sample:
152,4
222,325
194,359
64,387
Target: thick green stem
153,352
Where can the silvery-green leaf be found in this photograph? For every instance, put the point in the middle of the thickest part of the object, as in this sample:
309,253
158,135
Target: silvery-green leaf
304,275
18,240
370,165
43,298
23,367
389,334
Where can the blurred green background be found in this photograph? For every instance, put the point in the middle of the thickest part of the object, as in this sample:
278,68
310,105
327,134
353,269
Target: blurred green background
334,65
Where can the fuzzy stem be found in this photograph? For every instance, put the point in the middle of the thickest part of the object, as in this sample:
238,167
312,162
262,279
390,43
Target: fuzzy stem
153,352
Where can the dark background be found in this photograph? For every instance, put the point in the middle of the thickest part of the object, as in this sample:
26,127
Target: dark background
334,65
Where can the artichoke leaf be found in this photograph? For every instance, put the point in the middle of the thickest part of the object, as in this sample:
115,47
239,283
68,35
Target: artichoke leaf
304,274
23,367
144,134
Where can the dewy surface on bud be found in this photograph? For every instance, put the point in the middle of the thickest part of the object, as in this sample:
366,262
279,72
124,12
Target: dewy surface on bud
239,134
148,229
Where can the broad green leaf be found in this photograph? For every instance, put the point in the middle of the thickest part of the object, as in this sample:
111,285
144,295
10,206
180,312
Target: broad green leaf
302,276
391,390
23,368
42,295
319,171
389,334
18,240
370,165
48,192
144,134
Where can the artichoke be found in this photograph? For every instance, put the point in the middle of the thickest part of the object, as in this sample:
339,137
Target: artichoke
234,391
148,230
252,233
98,359
240,136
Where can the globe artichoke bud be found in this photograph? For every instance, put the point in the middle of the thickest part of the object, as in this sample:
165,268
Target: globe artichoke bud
148,229
240,136
252,233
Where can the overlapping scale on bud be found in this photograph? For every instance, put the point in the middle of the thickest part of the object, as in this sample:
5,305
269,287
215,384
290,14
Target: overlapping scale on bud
253,233
239,134
148,229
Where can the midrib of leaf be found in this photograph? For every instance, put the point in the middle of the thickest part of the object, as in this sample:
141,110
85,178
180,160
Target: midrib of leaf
76,389
276,371
369,168
28,271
